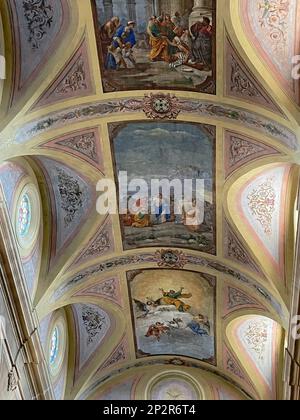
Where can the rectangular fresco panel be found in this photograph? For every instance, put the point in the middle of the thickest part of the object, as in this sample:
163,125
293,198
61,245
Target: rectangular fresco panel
159,44
172,151
173,313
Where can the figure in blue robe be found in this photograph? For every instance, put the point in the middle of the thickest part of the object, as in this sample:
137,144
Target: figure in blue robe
111,63
197,329
162,210
200,325
125,35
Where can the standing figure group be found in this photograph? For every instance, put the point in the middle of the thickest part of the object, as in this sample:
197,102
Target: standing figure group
170,40
117,42
173,43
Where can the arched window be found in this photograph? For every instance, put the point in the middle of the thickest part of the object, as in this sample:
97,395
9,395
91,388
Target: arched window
54,347
24,216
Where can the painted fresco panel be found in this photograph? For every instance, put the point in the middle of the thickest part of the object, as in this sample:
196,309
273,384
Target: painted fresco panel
170,46
173,313
172,151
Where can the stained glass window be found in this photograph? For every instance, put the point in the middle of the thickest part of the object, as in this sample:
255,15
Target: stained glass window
54,346
24,216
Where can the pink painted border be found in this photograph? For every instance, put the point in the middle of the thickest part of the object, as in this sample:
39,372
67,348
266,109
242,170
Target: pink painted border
47,99
134,387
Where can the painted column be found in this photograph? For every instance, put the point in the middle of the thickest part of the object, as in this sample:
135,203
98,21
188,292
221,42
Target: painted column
201,9
149,8
161,6
108,9
131,4
176,6
155,7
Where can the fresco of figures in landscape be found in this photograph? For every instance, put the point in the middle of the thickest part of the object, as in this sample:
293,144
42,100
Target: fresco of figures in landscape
150,45
172,151
174,313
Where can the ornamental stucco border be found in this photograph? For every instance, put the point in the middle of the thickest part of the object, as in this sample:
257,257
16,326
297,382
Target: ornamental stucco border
163,259
209,109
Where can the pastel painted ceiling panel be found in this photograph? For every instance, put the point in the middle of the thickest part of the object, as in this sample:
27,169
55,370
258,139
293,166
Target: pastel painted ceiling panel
241,150
83,144
232,366
272,27
236,299
243,84
72,198
73,81
38,28
256,338
105,289
119,355
261,205
236,251
12,175
92,326
100,245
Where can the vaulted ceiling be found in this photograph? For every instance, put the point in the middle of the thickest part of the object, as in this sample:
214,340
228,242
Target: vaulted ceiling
67,121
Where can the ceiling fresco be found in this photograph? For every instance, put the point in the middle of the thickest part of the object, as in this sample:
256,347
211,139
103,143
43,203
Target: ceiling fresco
162,330
165,145
151,306
172,62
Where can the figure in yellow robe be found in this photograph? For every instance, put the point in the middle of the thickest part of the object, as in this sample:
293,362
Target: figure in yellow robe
173,298
159,44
